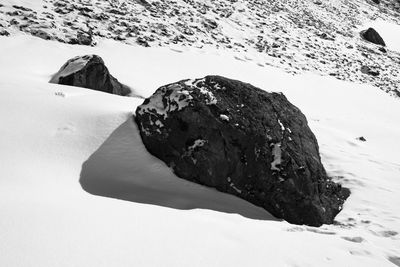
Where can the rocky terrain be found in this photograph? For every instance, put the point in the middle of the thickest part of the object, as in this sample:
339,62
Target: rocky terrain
299,36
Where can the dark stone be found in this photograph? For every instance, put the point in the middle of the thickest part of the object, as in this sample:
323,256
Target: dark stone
373,36
210,24
82,38
143,3
85,38
326,37
4,32
41,34
244,141
141,41
22,8
89,72
369,71
362,138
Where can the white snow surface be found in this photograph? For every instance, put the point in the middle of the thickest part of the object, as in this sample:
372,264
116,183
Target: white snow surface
48,131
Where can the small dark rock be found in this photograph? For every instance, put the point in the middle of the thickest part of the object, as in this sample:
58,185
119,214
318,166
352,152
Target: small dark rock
361,138
4,32
82,38
369,71
244,141
22,8
373,36
141,41
210,24
89,72
41,34
325,36
85,38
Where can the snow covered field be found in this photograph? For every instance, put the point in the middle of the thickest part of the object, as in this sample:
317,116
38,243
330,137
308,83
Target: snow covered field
52,137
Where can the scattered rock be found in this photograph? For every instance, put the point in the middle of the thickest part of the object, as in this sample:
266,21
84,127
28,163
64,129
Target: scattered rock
382,49
41,34
89,72
210,24
22,8
373,36
144,3
4,32
369,71
361,138
141,41
84,38
244,141
325,36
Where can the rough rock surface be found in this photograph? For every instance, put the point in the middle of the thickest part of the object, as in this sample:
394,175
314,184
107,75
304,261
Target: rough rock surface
243,141
373,36
89,72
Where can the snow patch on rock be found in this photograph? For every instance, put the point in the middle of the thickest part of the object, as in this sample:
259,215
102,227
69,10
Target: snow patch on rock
277,153
224,117
165,100
73,65
198,83
197,143
280,123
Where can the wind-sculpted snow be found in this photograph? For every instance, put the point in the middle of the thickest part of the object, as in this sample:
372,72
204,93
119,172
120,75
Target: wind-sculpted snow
297,36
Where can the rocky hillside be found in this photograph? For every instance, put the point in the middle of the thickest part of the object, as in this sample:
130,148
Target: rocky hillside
321,36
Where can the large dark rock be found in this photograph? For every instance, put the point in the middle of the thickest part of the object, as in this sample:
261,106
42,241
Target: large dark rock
243,141
373,36
89,72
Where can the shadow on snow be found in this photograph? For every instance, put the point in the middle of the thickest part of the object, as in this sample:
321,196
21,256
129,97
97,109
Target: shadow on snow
123,169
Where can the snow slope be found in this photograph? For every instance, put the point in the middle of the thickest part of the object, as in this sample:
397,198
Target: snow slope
53,137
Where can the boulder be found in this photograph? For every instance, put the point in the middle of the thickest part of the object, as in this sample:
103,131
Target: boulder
89,72
371,35
243,141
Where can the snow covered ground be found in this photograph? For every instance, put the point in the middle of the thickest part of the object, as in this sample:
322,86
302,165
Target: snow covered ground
53,137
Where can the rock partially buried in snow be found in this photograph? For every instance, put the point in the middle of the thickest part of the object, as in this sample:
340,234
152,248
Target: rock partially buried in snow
89,72
243,141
